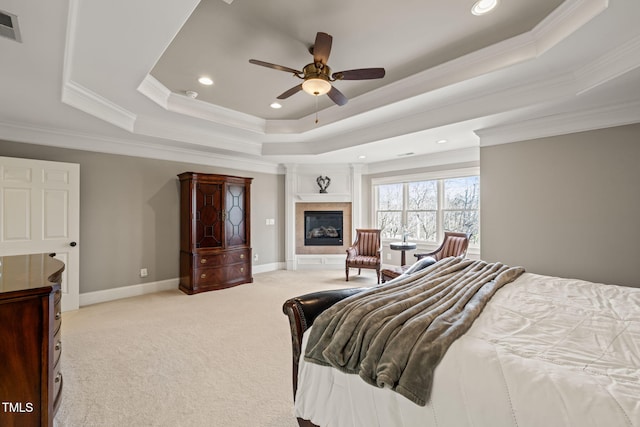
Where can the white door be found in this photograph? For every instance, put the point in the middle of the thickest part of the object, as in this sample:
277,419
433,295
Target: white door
40,213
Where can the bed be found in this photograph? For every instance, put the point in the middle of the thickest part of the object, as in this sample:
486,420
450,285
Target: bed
544,351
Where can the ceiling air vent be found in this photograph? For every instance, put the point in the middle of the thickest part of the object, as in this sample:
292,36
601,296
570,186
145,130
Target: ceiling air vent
9,26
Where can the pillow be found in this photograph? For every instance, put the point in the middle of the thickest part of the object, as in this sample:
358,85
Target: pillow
420,264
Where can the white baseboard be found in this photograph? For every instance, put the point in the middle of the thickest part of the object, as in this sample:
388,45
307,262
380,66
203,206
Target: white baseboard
96,297
106,295
264,268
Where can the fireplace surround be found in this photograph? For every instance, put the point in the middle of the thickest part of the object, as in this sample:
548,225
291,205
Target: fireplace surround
300,233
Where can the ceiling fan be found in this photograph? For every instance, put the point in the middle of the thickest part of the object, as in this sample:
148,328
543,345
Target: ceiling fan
317,75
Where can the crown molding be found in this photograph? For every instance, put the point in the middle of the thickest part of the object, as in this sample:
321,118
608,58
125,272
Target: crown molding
78,96
612,65
153,89
564,20
561,124
432,114
127,147
464,155
203,134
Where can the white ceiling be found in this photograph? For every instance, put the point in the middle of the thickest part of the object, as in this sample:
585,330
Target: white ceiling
111,76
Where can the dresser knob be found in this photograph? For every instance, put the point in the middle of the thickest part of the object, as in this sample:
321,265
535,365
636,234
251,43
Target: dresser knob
241,269
58,315
203,276
58,377
203,261
58,346
241,256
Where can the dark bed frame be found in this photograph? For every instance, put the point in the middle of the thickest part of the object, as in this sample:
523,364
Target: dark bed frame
302,311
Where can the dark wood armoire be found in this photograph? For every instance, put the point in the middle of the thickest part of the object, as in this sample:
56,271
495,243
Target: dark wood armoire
215,231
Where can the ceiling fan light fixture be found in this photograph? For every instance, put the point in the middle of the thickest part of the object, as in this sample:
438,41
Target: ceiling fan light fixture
483,6
316,86
204,80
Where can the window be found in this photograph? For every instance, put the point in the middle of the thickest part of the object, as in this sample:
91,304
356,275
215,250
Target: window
423,209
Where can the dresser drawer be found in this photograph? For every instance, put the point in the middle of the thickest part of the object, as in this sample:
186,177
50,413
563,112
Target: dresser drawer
57,312
208,260
57,383
219,259
240,256
57,347
208,276
238,273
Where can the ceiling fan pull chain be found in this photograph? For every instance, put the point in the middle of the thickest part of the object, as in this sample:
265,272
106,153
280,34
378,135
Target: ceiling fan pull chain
316,109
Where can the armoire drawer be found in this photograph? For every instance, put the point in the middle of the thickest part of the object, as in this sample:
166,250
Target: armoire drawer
218,259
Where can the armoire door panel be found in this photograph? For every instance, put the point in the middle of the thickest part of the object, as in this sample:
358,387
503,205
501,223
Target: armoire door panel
208,227
234,225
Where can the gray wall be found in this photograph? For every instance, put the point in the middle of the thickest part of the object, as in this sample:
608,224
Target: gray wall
129,214
565,206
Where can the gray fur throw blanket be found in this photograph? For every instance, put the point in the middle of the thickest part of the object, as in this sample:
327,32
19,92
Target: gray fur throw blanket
394,335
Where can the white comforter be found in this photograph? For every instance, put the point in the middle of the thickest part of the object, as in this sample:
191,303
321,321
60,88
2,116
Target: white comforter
545,352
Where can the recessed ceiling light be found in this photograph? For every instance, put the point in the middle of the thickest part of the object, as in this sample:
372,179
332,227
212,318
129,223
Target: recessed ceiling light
362,156
441,141
205,81
483,6
275,105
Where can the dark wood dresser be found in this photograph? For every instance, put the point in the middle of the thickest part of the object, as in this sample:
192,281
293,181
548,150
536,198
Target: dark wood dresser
30,346
215,231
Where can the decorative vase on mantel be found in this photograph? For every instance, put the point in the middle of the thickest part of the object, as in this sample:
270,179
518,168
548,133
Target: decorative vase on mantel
323,183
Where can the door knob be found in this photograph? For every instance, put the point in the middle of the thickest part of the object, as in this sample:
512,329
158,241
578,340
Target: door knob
72,244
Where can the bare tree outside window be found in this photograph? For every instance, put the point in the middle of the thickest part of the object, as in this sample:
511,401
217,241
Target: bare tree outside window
389,210
424,210
461,206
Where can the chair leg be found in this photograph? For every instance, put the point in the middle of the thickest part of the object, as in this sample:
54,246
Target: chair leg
359,271
378,274
346,271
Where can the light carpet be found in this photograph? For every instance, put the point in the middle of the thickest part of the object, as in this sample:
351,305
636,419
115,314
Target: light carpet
220,358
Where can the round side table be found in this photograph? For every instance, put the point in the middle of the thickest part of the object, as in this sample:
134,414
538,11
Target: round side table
403,246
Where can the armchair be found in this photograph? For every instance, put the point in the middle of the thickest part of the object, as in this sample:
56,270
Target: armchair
365,251
454,244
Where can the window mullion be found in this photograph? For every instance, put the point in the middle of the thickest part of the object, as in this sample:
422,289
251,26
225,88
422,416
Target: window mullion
405,204
440,212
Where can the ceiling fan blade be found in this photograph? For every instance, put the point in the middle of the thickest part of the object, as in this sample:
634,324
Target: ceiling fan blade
337,96
322,48
359,74
274,66
290,92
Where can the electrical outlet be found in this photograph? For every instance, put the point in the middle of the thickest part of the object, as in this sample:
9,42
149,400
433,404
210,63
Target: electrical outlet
388,256
144,272
255,257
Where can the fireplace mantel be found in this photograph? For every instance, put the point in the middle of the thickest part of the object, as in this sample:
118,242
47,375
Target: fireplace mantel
323,197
